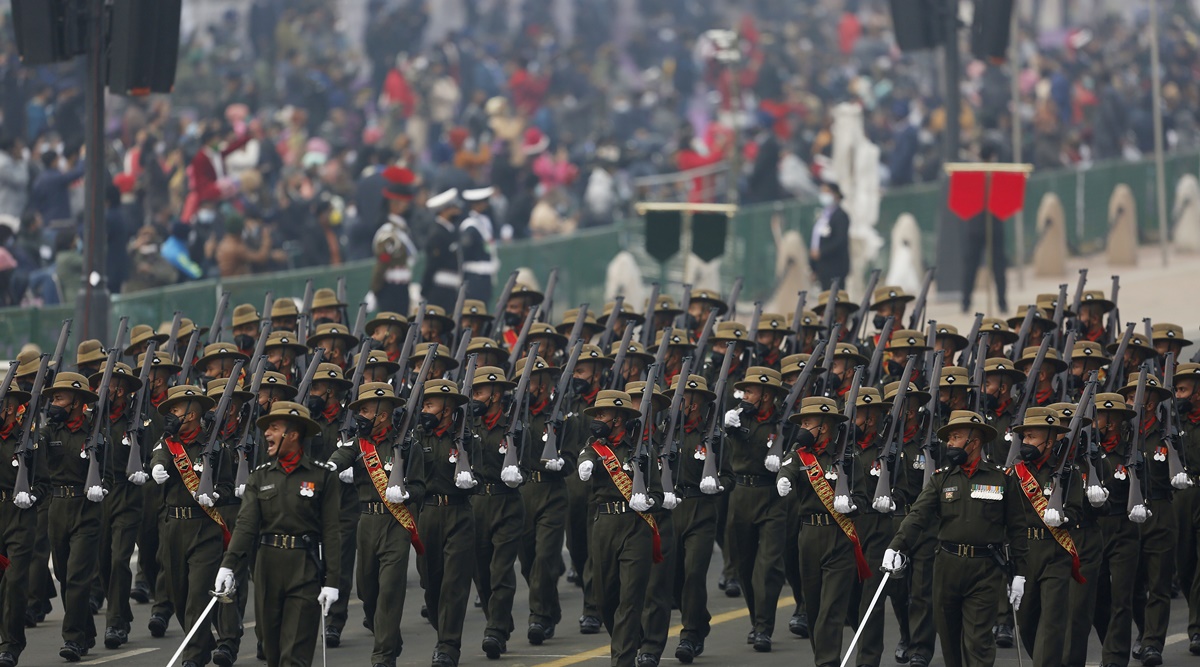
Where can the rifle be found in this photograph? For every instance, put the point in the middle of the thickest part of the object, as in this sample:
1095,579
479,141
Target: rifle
735,293
617,380
501,305
1058,479
1027,392
360,328
928,428
893,430
8,379
519,346
458,307
977,375
403,441
137,425
706,332
793,399
1023,334
1077,300
514,439
713,437
793,340
548,300
1064,377
189,356
674,423
218,323
213,448
554,425
843,463
410,342
918,313
1172,430
341,297
309,375
460,355
348,429
1060,305
610,324
752,336
831,307
1117,365
1135,460
647,333
641,450
1149,330
25,449
876,365
855,326
1114,315
967,358
827,362
268,304
1093,437
463,461
172,339
681,318
304,320
97,444
249,441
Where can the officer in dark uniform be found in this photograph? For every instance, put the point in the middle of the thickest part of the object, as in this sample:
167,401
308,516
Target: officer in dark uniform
1187,401
477,241
150,571
439,283
875,529
395,251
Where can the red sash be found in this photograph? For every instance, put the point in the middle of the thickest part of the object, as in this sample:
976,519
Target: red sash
1033,491
625,486
379,479
816,477
184,465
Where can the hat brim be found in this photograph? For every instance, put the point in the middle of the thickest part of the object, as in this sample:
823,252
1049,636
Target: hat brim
1104,304
899,298
960,341
206,403
237,322
989,432
157,338
921,396
858,359
798,417
311,427
635,318
458,399
451,362
447,321
315,339
559,339
721,306
1183,341
390,366
340,383
1016,322
506,385
234,355
708,395
1058,364
744,384
629,413
372,325
297,348
1163,393
1053,427
88,395
820,308
134,381
19,395
1124,412
396,402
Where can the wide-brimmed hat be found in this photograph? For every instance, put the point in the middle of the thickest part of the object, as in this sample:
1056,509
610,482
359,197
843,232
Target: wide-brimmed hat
909,340
1086,350
665,305
954,377
539,366
474,308
591,352
733,332
808,320
218,351
1036,417
544,330
285,340
1039,317
379,358
444,389
28,363
480,344
245,313
186,393
437,314
708,297
1171,333
676,338
1049,303
760,376
1003,366
1112,402
612,399
967,420
1136,341
1095,296
17,394
284,307
637,390
386,318
1052,359
443,355
143,333
1067,411
186,327
949,331
889,294
1188,371
998,329
817,406
775,323
590,326
491,375
276,381
216,387
843,299
161,360
850,351
892,388
375,391
796,363
627,312
521,289
870,397
121,371
71,382
335,332
332,374
293,412
1152,384
635,350
89,352
695,383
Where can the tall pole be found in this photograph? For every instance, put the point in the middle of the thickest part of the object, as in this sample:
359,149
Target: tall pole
952,75
1014,63
1159,169
92,304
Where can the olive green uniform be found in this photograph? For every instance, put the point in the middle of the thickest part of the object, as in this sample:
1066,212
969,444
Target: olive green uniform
729,569
1187,517
919,582
499,517
150,567
875,531
1089,543
290,515
121,519
18,529
383,545
656,609
1156,564
1119,558
322,447
974,514
191,541
579,513
447,529
74,527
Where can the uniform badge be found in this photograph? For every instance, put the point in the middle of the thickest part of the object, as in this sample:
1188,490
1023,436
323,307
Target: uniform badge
503,448
919,462
453,456
308,489
387,466
125,440
1160,454
987,492
700,454
875,468
770,441
267,487
949,492
198,467
1120,473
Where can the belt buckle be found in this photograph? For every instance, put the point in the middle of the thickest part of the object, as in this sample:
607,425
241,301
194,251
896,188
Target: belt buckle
966,551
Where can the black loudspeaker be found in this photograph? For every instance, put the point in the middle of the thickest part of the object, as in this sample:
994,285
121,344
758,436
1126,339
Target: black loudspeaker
917,24
143,46
39,26
990,29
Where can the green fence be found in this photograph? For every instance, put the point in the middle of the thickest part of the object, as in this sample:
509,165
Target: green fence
583,257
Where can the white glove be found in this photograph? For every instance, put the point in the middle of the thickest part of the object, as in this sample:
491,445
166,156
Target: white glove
884,505
892,561
207,501
771,462
511,475
138,478
395,495
1016,591
843,505
159,473
239,491
1054,518
224,583
1139,514
347,475
640,502
1097,495
326,598
371,301
95,493
23,500
710,486
1181,481
670,501
555,464
733,419
585,470
784,486
465,480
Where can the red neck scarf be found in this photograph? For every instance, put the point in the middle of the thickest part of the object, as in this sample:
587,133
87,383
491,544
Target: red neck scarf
441,430
616,437
117,411
764,415
74,425
157,399
970,467
819,447
1042,397
331,411
1004,403
540,406
590,397
671,375
289,461
1193,417
844,390
771,358
691,424
6,431
188,437
1110,442
230,428
1149,422
378,440
866,440
1094,335
490,421
910,433
1044,459
393,356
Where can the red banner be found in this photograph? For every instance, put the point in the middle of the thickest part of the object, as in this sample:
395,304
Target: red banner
1002,193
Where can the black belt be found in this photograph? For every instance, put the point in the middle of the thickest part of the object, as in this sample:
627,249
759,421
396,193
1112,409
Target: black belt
373,508
539,477
180,512
283,541
754,480
613,508
68,492
823,519
683,492
902,510
436,500
496,490
969,550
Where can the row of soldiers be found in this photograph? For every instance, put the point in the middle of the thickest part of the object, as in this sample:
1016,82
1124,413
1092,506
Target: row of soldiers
783,431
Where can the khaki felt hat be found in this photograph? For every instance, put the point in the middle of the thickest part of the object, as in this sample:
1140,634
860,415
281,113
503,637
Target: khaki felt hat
326,298
144,333
889,294
379,358
443,355
695,383
185,393
843,300
216,388
245,314
1036,417
292,412
122,372
71,382
637,391
635,351
492,375
1112,402
335,332
710,298
817,406
386,318
955,377
375,391
967,420
612,399
90,352
444,389
1171,333
760,376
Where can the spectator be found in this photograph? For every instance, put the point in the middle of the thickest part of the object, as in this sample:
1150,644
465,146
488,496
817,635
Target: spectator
232,256
322,246
51,197
14,177
148,269
68,265
175,250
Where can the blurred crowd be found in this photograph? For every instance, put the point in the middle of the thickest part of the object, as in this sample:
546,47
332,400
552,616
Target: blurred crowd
269,152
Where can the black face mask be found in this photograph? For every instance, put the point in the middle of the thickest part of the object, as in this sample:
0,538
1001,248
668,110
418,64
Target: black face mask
760,350
833,383
894,368
315,404
943,408
478,408
512,319
748,409
171,424
1183,405
270,366
429,421
805,439
245,342
599,429
57,414
369,344
322,320
88,371
1029,453
716,358
362,425
956,456
992,403
690,322
879,321
580,386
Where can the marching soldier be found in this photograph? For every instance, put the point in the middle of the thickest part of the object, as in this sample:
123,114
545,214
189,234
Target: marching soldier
218,360
474,316
954,391
810,328
522,298
550,342
139,339
477,240
1086,357
635,362
999,377
1041,325
441,364
1187,402
284,315
875,528
724,335
437,327
1168,338
442,277
905,343
487,352
1000,335
379,367
281,349
665,312
656,611
246,328
585,387
840,377
89,357
387,331
772,331
678,347
841,312
591,328
626,318
1093,306
888,301
290,510
1043,387
337,341
701,302
950,342
975,509
150,569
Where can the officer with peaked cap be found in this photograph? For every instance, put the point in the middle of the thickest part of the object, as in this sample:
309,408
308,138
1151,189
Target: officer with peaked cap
395,252
477,245
442,276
